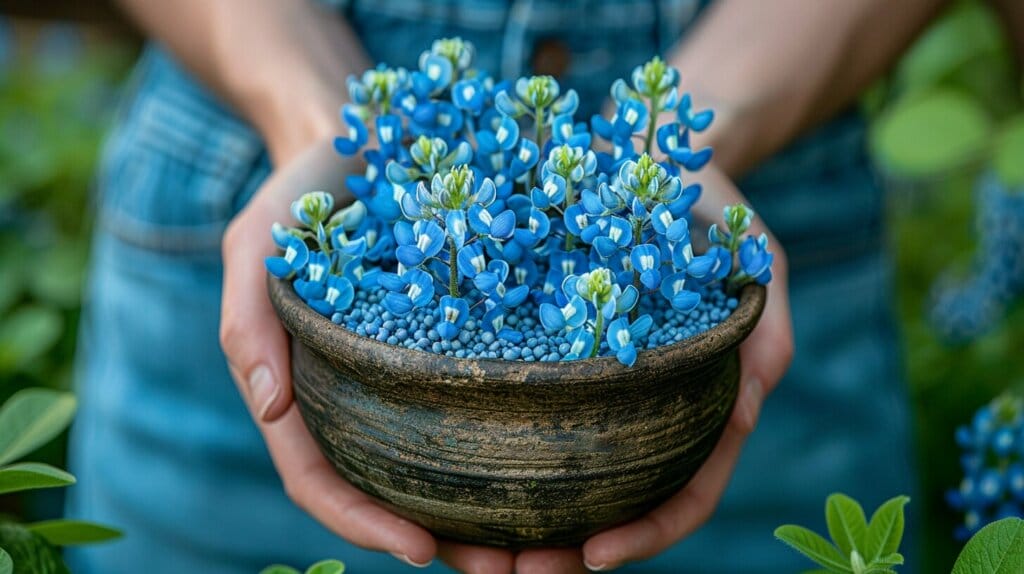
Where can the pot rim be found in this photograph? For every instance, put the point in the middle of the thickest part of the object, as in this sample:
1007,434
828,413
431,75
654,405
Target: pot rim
338,341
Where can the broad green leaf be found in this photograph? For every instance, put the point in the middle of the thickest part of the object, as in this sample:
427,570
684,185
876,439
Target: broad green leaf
996,549
894,559
326,567
31,418
6,565
73,532
885,532
58,275
279,569
932,133
813,546
32,475
26,334
846,523
1009,153
967,32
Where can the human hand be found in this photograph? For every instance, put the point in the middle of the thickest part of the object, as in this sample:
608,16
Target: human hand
764,357
257,350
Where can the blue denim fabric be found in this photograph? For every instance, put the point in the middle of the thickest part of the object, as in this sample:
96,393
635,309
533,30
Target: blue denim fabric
164,448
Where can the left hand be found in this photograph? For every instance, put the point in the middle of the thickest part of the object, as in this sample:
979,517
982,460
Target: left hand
764,359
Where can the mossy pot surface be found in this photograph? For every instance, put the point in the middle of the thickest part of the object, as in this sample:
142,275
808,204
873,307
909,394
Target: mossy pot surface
509,453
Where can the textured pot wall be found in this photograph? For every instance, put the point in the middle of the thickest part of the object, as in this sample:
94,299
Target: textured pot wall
512,453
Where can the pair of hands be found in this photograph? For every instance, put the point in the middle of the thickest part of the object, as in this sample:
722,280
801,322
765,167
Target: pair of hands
257,350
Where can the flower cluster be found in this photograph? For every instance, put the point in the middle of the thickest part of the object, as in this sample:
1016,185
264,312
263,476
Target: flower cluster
993,465
483,196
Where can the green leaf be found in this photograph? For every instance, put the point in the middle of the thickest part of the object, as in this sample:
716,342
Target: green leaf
1009,151
885,532
996,549
894,559
932,133
6,564
73,532
813,546
31,418
326,567
846,523
32,475
28,333
279,569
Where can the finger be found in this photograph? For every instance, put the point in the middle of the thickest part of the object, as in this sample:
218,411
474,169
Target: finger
251,336
550,561
475,559
677,518
768,351
314,485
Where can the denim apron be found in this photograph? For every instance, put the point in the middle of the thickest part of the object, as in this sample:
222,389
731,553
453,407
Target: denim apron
164,448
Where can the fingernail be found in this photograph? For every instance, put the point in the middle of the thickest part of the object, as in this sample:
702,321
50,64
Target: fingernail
262,390
409,561
597,568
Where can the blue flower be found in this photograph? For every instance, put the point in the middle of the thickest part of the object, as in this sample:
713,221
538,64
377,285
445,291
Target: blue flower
417,242
357,135
572,315
622,337
674,141
338,296
504,137
471,261
696,121
630,117
469,95
295,258
755,260
646,260
313,285
664,223
674,289
618,235
551,192
714,265
500,226
525,158
412,289
454,314
434,76
492,284
564,131
581,342
537,227
389,135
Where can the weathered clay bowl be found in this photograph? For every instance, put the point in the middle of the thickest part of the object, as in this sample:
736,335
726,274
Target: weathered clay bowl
508,453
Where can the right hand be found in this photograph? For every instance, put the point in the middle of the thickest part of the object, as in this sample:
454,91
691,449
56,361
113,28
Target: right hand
257,350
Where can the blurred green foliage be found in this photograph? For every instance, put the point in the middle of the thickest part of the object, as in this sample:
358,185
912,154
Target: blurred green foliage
950,111
57,95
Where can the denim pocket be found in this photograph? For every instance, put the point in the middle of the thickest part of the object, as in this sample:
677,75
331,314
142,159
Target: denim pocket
175,162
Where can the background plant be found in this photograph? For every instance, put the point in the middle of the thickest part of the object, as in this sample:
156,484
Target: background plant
322,567
862,547
30,419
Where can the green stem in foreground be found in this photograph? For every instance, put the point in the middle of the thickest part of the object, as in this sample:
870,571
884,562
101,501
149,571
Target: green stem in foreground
598,334
634,313
570,199
453,269
652,122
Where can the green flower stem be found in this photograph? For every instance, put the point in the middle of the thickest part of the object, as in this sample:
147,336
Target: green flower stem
598,334
540,132
453,269
570,199
638,226
651,124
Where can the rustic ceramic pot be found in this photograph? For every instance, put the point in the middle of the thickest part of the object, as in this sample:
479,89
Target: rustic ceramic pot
509,453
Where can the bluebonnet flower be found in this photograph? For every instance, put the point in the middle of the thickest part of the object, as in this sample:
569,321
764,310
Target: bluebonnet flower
338,296
674,141
571,316
673,288
691,120
622,336
646,260
993,465
418,241
294,259
755,260
412,289
631,117
454,314
313,208
564,131
537,95
357,135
